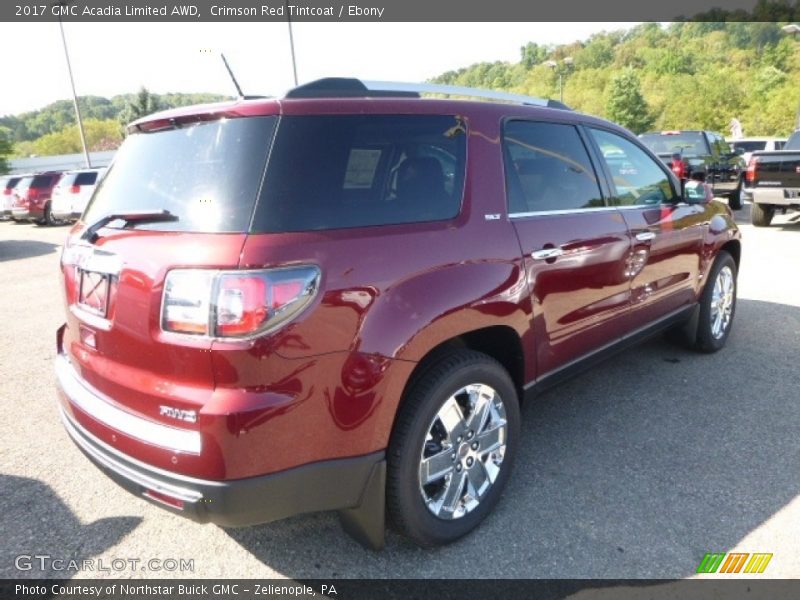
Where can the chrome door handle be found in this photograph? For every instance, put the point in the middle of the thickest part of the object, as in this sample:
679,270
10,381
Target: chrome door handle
546,253
645,236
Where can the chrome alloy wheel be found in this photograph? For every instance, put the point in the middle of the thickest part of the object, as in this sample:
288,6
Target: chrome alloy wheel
463,451
722,300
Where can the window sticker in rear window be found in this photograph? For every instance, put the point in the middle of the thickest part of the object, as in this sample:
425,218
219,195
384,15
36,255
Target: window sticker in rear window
361,167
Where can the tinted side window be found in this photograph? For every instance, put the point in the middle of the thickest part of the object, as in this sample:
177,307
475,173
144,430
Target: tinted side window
547,168
86,178
638,179
340,171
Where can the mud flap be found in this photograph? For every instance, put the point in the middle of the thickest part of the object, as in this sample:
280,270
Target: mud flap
366,523
687,333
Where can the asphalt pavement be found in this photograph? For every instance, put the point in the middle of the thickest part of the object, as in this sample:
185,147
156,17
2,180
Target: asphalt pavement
634,469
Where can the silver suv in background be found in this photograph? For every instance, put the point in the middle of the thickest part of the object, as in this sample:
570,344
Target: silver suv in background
73,192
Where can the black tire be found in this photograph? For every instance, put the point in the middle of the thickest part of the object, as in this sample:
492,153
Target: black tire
706,339
407,510
761,214
735,198
48,220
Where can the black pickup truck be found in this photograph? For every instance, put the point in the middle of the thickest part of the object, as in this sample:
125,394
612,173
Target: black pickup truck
774,178
701,155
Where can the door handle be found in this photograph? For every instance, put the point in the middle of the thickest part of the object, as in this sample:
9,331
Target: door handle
546,253
645,236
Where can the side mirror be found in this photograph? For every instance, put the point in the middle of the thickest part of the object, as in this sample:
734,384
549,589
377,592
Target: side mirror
696,192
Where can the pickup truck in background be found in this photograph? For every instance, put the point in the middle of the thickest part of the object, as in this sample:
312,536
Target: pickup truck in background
700,155
773,179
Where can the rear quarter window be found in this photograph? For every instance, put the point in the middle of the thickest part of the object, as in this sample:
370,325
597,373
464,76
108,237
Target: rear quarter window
342,171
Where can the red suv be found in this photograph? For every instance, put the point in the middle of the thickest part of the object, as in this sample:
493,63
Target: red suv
338,299
32,198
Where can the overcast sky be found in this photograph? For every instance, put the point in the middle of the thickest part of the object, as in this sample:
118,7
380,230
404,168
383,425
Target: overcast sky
115,58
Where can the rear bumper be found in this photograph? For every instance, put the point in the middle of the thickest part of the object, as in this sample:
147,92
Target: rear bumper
726,187
328,485
65,214
776,196
26,214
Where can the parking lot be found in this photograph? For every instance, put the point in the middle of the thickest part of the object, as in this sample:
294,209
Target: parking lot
635,469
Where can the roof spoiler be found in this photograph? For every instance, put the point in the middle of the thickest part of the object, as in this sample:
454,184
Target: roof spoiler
348,87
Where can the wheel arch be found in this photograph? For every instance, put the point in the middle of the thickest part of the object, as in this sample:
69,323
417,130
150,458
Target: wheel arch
734,248
499,342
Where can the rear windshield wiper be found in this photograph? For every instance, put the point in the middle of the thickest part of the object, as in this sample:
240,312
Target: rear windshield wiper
133,216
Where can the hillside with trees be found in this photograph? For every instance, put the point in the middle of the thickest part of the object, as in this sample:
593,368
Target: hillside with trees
687,75
53,129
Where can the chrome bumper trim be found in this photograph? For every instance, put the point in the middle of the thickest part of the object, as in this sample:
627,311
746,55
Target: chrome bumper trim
100,407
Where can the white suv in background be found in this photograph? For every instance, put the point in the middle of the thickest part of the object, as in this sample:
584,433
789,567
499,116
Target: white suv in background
73,192
7,185
749,145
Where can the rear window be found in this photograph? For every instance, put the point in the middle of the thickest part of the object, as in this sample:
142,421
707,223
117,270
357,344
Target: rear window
67,180
752,146
42,181
11,182
687,143
207,174
340,171
88,178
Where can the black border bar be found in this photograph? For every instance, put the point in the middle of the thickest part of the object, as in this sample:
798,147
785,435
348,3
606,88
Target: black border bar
399,589
397,10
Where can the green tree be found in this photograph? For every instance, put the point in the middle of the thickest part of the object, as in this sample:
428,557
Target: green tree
142,105
100,135
626,104
5,150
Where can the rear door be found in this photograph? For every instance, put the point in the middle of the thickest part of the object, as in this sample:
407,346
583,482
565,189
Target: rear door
667,234
575,247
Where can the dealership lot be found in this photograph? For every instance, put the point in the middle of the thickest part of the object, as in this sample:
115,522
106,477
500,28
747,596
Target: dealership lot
635,469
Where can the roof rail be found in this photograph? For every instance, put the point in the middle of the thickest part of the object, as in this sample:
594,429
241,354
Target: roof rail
347,87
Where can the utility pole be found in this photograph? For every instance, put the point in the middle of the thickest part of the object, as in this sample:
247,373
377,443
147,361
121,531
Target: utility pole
291,42
74,94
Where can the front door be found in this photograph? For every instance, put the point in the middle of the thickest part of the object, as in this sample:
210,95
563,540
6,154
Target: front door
667,234
575,248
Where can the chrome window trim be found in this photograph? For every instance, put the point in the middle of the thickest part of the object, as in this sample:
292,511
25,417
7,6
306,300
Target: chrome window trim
101,408
572,211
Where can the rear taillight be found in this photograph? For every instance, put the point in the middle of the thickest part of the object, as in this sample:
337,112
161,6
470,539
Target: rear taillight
678,167
750,173
235,304
33,193
75,189
7,192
